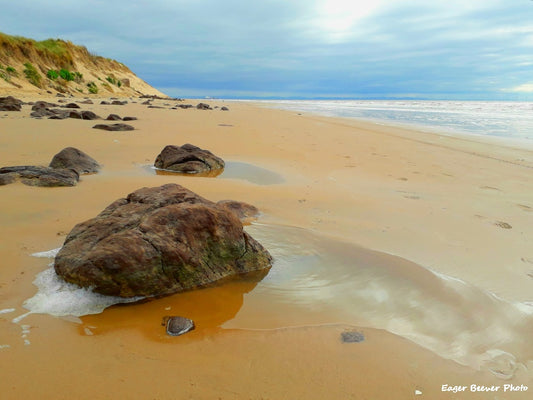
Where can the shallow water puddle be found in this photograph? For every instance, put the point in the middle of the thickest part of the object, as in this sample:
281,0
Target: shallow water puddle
318,280
232,170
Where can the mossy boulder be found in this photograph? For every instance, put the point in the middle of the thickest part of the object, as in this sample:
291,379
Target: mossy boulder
158,241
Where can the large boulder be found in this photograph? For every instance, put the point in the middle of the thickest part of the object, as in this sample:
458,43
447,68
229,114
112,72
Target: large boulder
188,159
72,158
158,241
40,176
9,103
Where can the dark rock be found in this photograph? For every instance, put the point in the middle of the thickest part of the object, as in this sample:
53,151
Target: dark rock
158,241
104,102
71,105
7,178
129,119
72,158
113,117
61,101
177,326
39,105
75,114
224,108
59,115
60,95
114,127
147,102
185,106
42,176
9,103
88,101
188,159
244,211
352,337
203,106
119,103
155,106
89,115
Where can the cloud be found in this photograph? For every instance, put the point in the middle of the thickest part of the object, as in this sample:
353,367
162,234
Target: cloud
311,47
523,88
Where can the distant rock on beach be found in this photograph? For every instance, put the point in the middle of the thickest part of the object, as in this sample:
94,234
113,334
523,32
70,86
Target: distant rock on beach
188,159
158,241
39,176
9,103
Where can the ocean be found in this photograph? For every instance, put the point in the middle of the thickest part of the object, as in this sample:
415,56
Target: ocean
508,120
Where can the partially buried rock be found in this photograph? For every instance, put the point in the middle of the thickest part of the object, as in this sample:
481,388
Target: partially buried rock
113,117
203,106
9,103
177,326
114,127
188,159
129,119
72,158
352,337
244,211
41,176
158,241
71,105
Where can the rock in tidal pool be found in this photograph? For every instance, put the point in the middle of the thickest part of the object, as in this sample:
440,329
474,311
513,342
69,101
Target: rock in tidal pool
177,326
158,241
188,159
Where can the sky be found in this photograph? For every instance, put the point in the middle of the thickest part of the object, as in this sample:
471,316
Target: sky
438,49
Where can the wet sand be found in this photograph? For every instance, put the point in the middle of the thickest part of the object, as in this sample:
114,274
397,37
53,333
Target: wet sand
357,214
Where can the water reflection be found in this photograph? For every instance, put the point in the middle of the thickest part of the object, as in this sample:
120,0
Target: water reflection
318,279
209,308
233,170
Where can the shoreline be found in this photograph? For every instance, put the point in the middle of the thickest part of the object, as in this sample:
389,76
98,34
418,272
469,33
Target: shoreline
429,200
420,127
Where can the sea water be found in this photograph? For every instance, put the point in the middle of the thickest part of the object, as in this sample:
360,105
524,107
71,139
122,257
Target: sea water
504,119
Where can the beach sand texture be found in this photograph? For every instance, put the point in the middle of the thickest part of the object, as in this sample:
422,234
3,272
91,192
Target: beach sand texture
422,242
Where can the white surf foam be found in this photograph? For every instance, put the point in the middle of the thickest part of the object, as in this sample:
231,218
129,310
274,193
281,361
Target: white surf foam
59,298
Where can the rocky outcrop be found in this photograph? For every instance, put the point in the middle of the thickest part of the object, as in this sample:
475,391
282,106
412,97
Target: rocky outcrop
40,176
188,159
114,127
9,103
203,106
72,158
158,241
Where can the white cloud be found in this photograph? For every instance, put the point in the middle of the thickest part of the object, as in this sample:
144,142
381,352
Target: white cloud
524,88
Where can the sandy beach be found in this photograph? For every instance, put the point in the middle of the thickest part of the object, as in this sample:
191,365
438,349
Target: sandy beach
420,241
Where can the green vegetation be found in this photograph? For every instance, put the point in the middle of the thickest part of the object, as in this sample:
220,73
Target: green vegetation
32,74
92,87
66,75
112,80
7,72
52,74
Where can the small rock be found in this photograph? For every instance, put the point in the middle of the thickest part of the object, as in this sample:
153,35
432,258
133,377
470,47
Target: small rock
129,119
9,103
104,102
114,127
42,176
71,105
113,117
203,106
224,109
119,103
352,337
89,115
244,211
177,326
